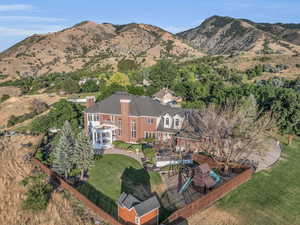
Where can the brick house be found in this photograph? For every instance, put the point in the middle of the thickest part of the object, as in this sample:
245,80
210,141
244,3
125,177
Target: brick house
129,118
132,211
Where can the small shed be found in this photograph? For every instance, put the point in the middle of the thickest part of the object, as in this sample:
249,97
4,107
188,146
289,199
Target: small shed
134,211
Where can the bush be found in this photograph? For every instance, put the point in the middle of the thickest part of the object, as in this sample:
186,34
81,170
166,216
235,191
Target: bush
38,194
298,65
4,97
60,112
150,154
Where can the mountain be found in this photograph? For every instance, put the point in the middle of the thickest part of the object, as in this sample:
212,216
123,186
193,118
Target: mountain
94,46
226,35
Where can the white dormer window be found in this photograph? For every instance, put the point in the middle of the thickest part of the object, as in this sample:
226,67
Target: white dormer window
167,121
177,122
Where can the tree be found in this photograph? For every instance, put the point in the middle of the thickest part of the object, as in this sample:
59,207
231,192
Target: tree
119,79
232,133
83,154
163,74
90,86
64,151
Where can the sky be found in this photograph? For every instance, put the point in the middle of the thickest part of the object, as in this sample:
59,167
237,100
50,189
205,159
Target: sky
22,18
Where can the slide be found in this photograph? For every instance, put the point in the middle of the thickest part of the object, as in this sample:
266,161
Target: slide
215,176
186,185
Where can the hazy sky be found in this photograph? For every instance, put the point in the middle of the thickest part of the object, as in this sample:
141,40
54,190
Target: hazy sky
22,18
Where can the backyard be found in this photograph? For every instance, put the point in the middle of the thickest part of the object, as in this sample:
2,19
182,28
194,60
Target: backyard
113,174
271,197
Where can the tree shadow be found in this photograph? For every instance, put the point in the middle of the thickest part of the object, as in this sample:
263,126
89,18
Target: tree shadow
136,182
98,198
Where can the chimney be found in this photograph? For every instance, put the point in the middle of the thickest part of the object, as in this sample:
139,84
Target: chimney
90,101
125,103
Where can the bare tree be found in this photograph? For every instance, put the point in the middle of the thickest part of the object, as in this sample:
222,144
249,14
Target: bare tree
231,133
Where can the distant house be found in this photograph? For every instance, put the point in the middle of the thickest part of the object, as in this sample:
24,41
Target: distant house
133,211
166,96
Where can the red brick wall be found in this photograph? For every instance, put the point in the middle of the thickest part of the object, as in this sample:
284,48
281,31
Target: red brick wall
127,216
210,198
103,215
150,218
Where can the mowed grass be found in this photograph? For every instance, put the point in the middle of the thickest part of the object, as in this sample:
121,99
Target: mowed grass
112,174
272,197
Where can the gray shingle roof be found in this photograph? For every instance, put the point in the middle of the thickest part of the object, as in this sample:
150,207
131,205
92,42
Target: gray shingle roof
141,208
147,206
139,106
127,200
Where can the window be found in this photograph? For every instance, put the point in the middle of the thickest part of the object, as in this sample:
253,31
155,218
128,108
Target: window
137,220
133,128
177,122
90,117
119,132
148,134
167,121
96,117
112,118
150,120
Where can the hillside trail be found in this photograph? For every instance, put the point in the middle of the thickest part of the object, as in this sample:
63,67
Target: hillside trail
13,169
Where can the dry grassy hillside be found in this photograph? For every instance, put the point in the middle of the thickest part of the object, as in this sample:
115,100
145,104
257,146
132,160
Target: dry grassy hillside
226,35
14,169
23,104
91,45
246,62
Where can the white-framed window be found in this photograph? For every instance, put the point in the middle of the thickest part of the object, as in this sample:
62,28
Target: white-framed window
150,120
90,117
177,122
137,220
96,117
133,129
149,134
119,131
167,121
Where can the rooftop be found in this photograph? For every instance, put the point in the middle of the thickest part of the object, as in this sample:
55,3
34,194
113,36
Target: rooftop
138,106
129,201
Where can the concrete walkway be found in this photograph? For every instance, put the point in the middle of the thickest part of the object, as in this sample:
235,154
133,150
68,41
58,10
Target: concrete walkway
269,157
130,154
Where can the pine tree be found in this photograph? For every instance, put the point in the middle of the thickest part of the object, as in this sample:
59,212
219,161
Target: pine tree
64,151
83,154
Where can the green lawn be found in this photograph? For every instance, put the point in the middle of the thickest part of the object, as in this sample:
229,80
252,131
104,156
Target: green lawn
271,197
113,174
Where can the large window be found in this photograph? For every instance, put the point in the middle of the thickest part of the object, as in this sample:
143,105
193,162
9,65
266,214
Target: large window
149,134
133,128
90,117
119,132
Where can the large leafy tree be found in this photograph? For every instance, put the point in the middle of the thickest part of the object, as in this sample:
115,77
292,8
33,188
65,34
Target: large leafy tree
119,79
163,74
